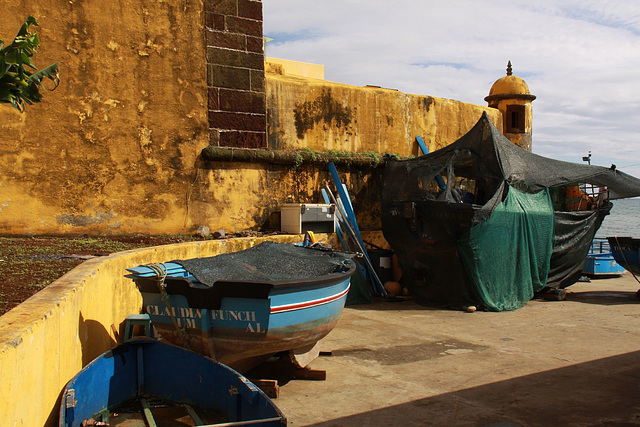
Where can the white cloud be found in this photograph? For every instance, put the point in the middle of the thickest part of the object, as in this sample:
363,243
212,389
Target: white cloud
580,58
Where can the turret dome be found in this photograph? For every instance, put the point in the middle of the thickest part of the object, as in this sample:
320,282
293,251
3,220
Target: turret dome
509,87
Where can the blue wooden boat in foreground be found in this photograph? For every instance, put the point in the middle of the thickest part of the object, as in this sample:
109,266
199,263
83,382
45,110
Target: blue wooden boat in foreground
600,261
242,307
144,382
626,251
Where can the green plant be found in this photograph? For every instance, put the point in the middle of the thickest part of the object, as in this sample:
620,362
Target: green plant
311,154
340,153
20,79
375,157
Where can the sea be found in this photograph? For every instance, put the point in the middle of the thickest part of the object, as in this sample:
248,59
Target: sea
624,219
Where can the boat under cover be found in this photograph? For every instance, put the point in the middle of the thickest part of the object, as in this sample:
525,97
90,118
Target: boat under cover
503,228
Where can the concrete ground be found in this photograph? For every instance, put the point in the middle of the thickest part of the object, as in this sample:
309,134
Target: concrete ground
575,363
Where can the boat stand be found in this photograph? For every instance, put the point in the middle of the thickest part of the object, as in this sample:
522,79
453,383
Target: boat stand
279,370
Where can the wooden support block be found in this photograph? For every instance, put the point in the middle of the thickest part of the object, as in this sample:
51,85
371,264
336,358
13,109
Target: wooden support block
301,357
310,374
552,294
270,387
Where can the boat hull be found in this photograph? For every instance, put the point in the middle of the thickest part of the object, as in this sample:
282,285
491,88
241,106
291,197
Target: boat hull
602,265
244,328
626,251
600,261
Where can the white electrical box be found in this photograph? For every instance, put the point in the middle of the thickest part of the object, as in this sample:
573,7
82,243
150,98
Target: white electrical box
298,218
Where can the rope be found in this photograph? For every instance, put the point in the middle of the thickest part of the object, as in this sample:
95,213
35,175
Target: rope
161,274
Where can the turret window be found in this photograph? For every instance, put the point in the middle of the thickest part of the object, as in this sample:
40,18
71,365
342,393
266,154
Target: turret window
515,119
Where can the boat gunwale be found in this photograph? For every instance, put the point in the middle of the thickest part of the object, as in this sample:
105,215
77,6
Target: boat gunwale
317,281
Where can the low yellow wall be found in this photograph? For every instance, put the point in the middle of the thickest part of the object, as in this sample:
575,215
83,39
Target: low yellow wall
47,339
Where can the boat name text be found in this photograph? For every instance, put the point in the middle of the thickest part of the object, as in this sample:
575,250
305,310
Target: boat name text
187,316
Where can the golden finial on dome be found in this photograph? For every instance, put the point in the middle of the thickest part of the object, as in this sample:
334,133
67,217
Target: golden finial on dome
509,68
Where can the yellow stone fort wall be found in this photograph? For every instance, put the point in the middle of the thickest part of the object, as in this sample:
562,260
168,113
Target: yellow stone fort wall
116,148
112,149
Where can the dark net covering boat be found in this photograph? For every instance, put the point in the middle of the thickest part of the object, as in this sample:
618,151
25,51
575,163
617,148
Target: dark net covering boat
505,226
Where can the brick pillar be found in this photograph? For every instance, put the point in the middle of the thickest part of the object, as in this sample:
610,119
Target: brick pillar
235,73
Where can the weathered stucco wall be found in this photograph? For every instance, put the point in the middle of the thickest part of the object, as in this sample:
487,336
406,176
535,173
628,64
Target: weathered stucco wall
321,115
239,196
113,149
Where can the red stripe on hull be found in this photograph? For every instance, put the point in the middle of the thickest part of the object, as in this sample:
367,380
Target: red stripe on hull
309,304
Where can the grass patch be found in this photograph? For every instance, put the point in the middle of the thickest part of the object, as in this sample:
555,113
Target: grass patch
29,264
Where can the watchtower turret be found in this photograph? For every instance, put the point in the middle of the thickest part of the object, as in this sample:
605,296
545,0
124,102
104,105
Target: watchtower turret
511,96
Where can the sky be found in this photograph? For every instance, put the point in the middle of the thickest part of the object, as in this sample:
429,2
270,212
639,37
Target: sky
580,58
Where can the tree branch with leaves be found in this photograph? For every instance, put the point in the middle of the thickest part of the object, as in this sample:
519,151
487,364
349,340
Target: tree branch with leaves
20,79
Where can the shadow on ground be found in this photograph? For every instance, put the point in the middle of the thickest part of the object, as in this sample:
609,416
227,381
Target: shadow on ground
604,297
604,392
392,304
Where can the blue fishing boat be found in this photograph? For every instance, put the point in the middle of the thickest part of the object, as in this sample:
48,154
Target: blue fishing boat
626,251
145,382
240,308
600,261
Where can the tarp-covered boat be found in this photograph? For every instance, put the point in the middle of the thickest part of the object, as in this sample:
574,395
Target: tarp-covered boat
508,223
238,306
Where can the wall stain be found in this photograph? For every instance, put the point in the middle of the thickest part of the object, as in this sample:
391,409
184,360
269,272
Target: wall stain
275,133
84,220
324,108
427,102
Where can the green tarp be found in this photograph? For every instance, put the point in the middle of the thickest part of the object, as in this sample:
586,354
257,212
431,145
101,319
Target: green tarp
507,256
359,290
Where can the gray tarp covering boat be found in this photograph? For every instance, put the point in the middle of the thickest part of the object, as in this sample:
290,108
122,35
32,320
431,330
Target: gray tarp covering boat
502,229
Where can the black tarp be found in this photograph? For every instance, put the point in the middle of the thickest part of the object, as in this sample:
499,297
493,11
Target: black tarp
424,224
573,234
486,155
270,263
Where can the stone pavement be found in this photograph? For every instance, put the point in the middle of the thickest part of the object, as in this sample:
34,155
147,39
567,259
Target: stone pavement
573,362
